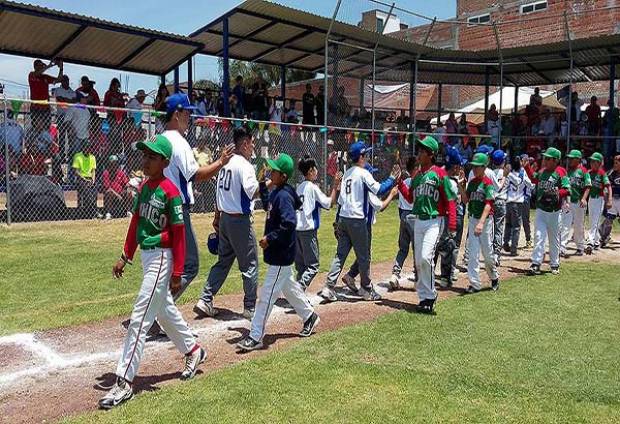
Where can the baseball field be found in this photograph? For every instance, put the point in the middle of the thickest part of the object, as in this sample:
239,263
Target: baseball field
542,349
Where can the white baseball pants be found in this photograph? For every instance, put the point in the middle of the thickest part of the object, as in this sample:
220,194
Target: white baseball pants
425,238
574,217
154,301
595,210
547,225
483,243
279,279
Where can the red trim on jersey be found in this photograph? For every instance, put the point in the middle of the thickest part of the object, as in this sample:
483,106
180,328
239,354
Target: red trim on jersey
405,191
562,191
445,207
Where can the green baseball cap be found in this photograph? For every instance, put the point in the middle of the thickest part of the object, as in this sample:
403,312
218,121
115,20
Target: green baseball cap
430,143
552,153
480,159
159,145
283,163
597,157
574,154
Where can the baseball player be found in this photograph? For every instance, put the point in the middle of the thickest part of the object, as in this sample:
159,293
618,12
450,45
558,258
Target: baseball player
433,199
157,226
597,201
552,186
278,246
405,232
183,171
614,212
498,158
352,228
519,184
575,213
373,206
308,220
480,200
236,188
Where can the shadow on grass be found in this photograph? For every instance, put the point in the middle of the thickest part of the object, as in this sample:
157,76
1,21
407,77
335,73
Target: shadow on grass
223,314
141,384
268,340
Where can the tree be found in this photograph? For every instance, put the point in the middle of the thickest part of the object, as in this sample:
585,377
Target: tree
255,73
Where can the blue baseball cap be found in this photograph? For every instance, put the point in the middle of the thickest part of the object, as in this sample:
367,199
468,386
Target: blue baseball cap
484,148
453,157
498,157
178,101
358,149
368,167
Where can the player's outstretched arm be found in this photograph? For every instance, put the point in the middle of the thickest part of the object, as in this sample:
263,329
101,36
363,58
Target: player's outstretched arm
207,172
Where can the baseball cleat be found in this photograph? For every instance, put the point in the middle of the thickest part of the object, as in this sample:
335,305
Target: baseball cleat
445,282
578,253
310,325
426,306
328,294
495,284
350,283
119,393
394,282
192,360
596,247
248,313
471,290
528,244
369,294
534,270
249,344
563,254
555,270
588,250
204,308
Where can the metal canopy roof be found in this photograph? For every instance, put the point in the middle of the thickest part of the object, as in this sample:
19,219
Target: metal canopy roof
269,33
34,31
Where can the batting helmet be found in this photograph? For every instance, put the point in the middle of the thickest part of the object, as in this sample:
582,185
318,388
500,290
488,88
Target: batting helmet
213,242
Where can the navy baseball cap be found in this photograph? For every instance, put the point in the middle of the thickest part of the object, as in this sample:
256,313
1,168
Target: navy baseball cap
178,101
484,148
358,149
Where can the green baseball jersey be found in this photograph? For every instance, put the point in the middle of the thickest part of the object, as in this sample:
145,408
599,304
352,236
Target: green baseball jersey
600,180
551,186
433,195
480,191
579,180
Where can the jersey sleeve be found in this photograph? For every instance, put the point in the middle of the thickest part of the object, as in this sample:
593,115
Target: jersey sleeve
248,180
606,182
177,231
373,185
587,180
449,199
131,241
186,162
324,200
489,192
375,202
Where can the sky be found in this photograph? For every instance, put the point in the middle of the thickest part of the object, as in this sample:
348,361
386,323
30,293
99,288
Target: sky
160,15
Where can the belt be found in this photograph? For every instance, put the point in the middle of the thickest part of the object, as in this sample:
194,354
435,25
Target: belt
426,217
235,215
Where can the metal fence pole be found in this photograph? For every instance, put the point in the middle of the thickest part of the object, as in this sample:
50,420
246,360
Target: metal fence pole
501,82
569,104
7,166
325,82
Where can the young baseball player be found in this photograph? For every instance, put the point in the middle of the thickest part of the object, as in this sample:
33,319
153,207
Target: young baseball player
614,212
498,158
552,186
308,220
405,232
157,227
373,206
479,197
352,229
278,246
433,199
518,184
574,216
236,188
600,197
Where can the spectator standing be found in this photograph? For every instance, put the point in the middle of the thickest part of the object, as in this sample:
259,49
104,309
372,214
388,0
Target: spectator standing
452,128
593,111
64,94
115,99
88,87
308,102
115,196
160,106
536,99
39,83
137,102
239,92
319,101
576,104
85,166
548,126
79,117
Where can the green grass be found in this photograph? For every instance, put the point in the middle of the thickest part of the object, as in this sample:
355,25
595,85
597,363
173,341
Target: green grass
541,350
60,274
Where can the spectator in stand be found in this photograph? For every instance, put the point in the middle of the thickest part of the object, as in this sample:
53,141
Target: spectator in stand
88,87
452,127
115,195
536,99
137,102
64,94
79,117
239,91
308,101
440,132
85,166
116,99
548,126
493,124
593,111
320,106
291,113
32,161
575,117
332,163
13,134
160,106
39,83
205,105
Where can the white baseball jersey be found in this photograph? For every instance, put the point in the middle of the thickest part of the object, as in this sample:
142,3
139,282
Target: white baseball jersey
183,165
372,208
356,184
499,184
402,202
313,200
517,185
236,187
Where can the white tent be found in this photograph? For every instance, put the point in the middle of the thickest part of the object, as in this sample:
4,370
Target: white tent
508,103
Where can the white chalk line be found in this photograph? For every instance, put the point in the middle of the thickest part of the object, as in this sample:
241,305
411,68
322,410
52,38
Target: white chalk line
54,362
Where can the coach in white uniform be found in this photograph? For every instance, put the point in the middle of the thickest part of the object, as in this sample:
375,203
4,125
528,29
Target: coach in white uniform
352,222
184,169
236,188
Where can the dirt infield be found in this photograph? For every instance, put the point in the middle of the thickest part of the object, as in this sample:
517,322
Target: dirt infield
65,371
